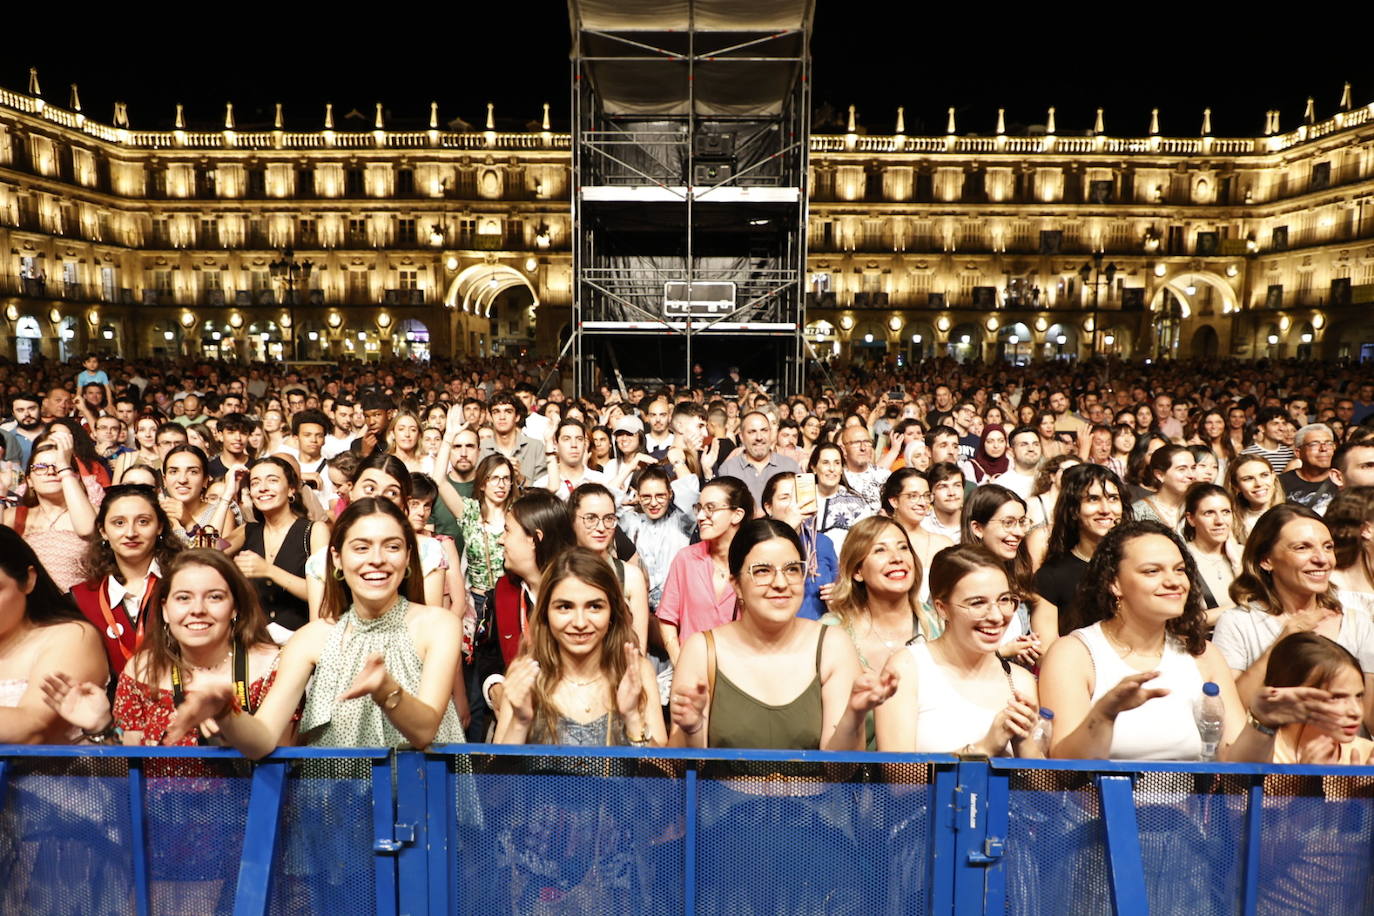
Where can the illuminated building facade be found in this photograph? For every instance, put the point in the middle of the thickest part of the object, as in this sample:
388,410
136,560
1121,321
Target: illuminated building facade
444,242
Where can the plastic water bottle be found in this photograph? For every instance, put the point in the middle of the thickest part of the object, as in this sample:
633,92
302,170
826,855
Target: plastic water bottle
1043,730
1211,719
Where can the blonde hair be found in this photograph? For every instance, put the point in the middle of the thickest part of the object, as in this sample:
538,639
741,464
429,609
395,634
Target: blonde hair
849,598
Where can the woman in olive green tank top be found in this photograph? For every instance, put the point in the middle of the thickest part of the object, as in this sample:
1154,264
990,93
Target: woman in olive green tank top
770,679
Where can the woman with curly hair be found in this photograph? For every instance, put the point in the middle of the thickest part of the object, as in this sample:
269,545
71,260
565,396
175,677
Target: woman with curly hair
1123,685
1284,587
1091,505
123,567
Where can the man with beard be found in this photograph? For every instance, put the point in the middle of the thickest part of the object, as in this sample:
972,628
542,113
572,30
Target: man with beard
461,449
377,411
757,462
341,435
25,427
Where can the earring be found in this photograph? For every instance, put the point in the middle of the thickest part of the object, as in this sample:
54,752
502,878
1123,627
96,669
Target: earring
406,575
338,574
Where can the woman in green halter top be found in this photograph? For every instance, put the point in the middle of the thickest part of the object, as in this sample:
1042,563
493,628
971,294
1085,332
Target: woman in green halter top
383,664
770,679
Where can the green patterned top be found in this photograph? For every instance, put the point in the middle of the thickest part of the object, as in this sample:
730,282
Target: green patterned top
330,722
485,555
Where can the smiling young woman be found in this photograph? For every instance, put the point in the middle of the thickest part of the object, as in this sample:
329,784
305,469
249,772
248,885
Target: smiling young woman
379,665
581,677
1285,587
955,693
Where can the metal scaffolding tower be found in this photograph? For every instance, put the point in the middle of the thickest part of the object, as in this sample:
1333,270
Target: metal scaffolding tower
689,157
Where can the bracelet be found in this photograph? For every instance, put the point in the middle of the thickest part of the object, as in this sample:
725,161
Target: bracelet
488,684
392,699
1267,730
110,734
644,739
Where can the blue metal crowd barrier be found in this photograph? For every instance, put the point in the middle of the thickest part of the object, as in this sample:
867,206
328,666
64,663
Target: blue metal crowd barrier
484,829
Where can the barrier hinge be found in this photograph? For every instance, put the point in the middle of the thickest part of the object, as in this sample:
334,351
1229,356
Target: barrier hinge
404,836
992,852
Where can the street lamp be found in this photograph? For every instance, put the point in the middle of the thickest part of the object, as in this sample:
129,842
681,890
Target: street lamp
287,269
1097,273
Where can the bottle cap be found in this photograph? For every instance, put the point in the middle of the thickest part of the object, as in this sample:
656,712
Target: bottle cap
1046,712
1210,689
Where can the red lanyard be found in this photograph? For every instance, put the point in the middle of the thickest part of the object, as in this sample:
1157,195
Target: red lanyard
113,628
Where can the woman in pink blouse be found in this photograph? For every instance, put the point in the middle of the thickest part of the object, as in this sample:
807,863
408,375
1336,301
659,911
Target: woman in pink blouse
697,594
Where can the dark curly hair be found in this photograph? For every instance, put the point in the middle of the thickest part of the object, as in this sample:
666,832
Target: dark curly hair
1073,486
1094,601
99,560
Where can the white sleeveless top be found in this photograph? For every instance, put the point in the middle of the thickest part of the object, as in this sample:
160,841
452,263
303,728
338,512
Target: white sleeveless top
1163,728
945,719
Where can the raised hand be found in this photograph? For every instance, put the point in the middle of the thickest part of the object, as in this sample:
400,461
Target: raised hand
200,706
369,680
630,691
1129,693
1013,723
250,564
521,677
688,706
873,688
83,704
1310,705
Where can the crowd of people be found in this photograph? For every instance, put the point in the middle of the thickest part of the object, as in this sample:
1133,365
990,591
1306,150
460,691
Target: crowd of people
1102,560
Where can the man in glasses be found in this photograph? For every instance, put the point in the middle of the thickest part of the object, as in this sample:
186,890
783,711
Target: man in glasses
1310,484
864,477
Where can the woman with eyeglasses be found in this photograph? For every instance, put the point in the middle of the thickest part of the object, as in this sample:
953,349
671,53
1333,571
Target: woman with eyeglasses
273,549
697,594
955,693
596,527
995,519
55,514
123,568
906,499
780,502
771,679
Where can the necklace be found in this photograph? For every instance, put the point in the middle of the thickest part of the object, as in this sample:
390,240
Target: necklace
1126,651
887,641
212,668
586,703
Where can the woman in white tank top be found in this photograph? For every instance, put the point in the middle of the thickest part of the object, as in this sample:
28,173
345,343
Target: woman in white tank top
955,693
1124,688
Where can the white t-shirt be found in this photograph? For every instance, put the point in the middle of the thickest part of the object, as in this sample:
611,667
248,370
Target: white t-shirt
564,490
335,446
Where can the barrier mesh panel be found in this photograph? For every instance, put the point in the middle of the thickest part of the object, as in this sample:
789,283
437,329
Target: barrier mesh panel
64,838
1056,859
1192,841
568,836
194,815
1316,854
804,839
324,860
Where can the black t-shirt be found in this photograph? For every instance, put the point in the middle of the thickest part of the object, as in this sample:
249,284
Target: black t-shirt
1304,492
1057,582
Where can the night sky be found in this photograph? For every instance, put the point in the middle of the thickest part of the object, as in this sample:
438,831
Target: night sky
1137,59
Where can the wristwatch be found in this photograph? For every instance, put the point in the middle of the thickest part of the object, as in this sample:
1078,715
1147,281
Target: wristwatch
1267,730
